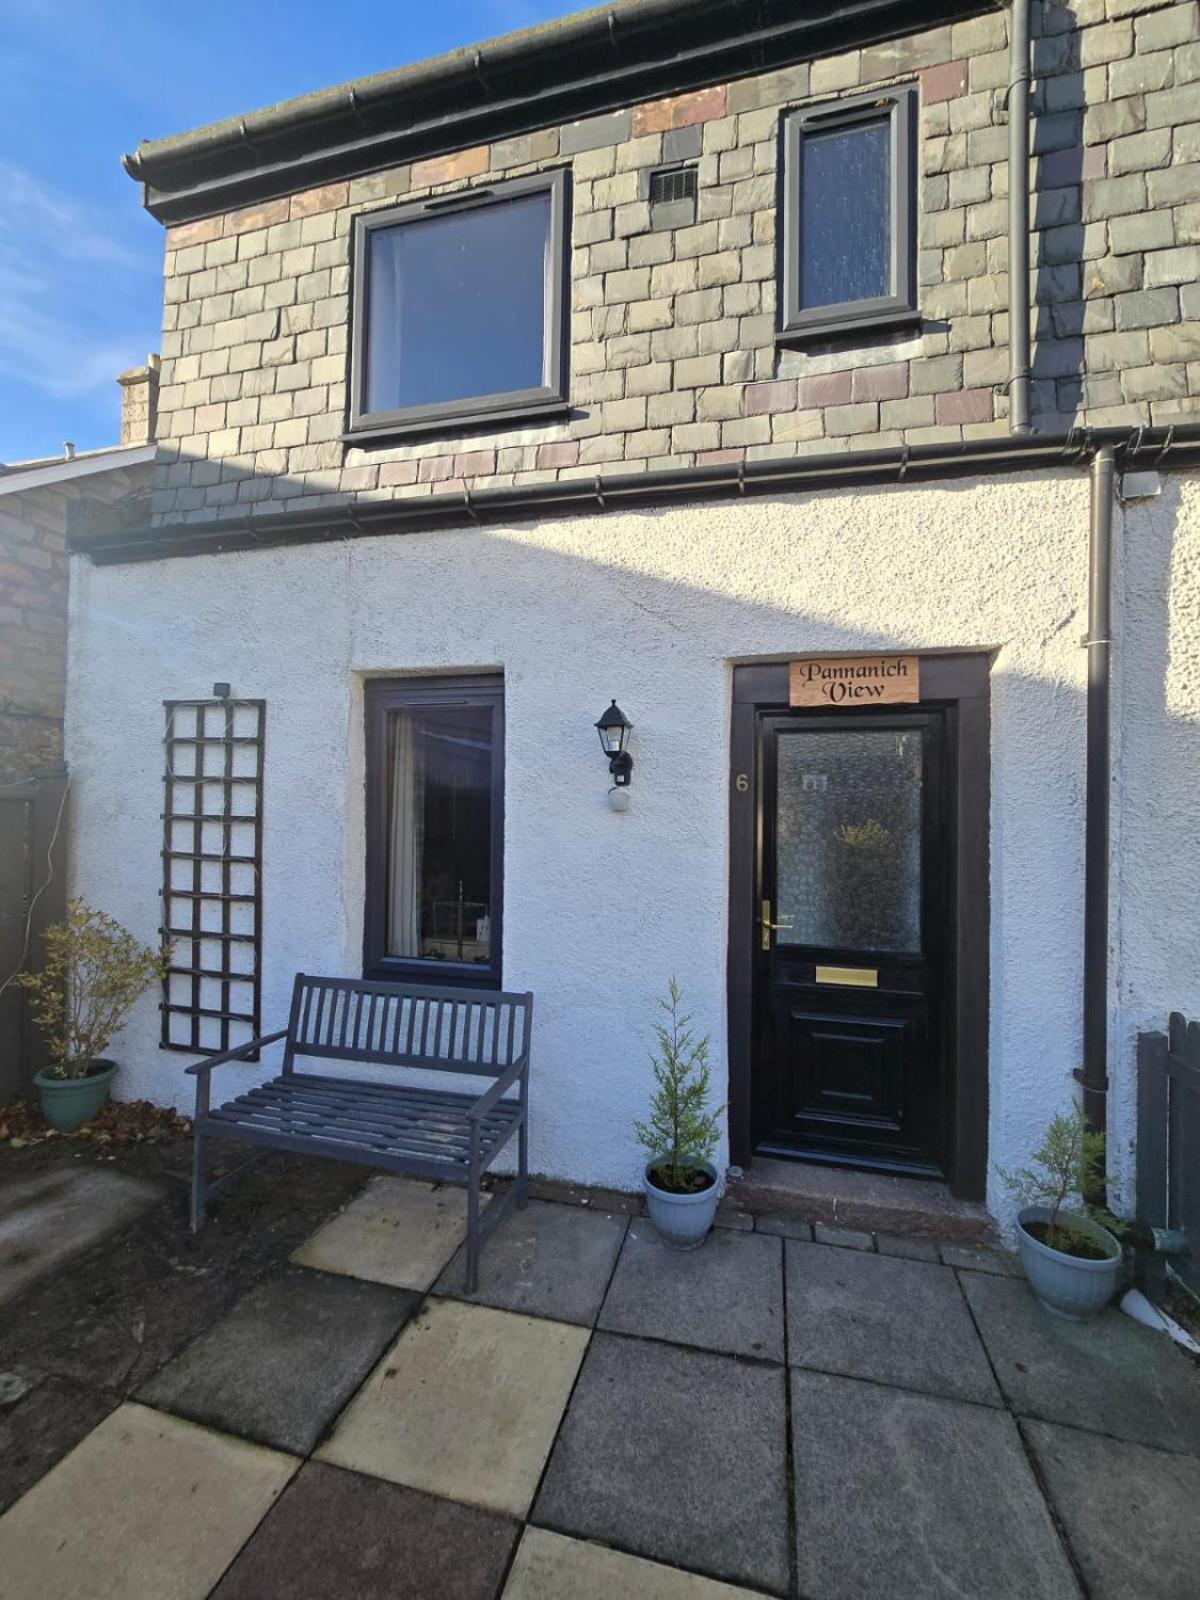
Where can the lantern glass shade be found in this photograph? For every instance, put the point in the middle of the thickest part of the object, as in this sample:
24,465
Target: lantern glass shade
614,729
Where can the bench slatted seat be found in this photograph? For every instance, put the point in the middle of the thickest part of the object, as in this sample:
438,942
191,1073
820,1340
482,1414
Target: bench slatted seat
422,1131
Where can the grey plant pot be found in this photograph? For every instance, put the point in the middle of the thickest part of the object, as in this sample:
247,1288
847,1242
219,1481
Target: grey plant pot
682,1220
1067,1285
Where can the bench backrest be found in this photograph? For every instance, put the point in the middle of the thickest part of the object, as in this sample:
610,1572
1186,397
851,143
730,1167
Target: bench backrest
476,1031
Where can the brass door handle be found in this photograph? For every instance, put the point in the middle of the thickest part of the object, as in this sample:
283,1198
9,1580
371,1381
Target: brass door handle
769,927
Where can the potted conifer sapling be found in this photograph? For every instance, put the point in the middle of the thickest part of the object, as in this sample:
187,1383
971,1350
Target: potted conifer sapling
94,970
1068,1246
681,1183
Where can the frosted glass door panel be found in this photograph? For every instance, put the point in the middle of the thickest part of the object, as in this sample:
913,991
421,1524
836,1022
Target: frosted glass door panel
848,840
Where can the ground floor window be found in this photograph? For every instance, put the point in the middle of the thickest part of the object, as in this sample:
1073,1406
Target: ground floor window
435,766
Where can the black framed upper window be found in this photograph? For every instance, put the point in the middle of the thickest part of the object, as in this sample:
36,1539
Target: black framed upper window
458,308
849,216
435,832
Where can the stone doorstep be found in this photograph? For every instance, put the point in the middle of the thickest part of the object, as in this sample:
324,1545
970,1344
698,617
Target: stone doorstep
871,1201
912,1208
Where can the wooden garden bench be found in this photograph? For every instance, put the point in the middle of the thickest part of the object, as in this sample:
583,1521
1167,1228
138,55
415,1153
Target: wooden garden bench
422,1131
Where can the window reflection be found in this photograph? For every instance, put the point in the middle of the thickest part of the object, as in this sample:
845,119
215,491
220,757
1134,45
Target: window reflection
457,305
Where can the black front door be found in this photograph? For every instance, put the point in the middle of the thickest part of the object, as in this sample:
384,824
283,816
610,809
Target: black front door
855,933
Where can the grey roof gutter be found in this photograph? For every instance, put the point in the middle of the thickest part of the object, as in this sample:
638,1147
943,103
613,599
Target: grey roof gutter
596,61
1142,450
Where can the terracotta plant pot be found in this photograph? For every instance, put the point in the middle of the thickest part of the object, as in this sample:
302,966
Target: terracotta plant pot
683,1220
67,1103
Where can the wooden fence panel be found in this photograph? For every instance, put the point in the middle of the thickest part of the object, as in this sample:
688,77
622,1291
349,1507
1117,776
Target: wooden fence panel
1168,1186
32,895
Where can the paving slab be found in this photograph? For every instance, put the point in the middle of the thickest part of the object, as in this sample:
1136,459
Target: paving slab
50,1216
549,1566
902,1496
1131,1514
624,1202
335,1533
882,1317
36,1432
1109,1376
282,1364
894,1244
728,1295
146,1508
466,1404
785,1227
396,1231
676,1455
982,1258
731,1217
847,1238
546,1261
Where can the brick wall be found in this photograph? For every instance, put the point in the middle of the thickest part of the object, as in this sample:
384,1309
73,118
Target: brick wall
33,629
673,354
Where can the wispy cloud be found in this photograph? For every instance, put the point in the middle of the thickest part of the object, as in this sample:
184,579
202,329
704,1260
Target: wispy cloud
44,351
62,282
52,222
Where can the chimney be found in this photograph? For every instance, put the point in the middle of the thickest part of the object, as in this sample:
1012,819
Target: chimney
139,402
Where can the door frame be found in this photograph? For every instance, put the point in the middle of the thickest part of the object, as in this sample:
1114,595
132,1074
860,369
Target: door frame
926,1006
962,681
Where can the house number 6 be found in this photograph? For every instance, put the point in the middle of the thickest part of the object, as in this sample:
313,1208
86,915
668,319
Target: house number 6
741,783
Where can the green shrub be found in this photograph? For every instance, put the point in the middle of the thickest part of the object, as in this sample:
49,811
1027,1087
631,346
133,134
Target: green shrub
1067,1169
93,972
681,1133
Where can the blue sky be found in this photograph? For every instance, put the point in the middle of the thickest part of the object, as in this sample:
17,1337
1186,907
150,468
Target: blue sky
83,81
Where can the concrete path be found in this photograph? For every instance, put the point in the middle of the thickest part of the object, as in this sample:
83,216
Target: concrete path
772,1415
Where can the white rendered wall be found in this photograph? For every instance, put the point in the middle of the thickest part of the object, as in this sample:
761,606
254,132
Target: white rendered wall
1156,839
653,608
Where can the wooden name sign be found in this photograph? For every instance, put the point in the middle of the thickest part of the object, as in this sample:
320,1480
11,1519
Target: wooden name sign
854,680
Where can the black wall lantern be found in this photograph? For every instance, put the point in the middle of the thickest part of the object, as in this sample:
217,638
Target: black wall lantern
614,729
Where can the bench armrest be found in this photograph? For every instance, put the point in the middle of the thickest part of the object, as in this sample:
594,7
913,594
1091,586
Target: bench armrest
488,1098
239,1054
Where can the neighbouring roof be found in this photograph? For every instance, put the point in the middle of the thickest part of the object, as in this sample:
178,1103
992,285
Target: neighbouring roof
582,65
16,476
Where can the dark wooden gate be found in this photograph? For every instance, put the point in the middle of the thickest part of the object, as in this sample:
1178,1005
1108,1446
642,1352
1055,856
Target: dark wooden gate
32,895
1168,1148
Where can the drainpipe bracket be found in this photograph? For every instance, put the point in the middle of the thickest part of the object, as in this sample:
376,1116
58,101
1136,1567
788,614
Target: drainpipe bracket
1093,1085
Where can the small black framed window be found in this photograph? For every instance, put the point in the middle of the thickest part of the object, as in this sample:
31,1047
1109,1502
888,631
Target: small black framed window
435,830
459,307
849,216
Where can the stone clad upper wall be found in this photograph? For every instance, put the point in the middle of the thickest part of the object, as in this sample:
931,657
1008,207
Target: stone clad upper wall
673,355
33,629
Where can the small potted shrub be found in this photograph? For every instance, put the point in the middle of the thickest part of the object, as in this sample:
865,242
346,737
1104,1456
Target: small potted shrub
1067,1246
93,972
681,1183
